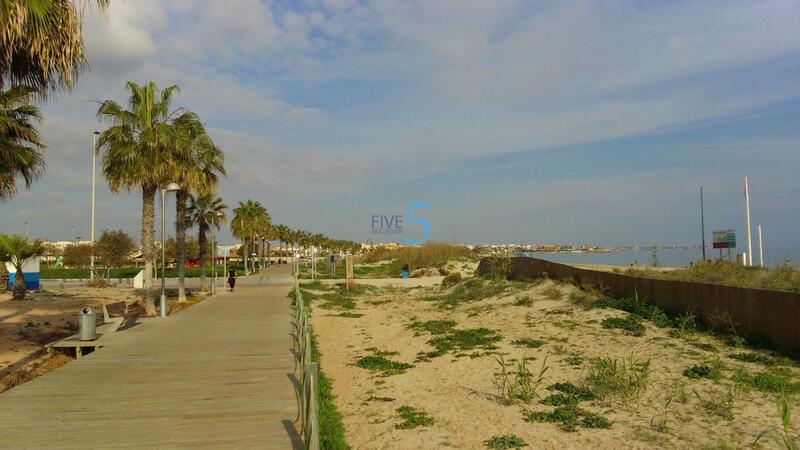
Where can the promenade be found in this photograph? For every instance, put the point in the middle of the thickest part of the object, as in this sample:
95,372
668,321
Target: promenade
218,374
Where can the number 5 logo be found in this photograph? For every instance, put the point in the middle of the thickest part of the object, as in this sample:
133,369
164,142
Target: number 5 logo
411,218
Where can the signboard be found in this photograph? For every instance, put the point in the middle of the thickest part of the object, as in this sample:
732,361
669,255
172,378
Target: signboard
30,273
724,238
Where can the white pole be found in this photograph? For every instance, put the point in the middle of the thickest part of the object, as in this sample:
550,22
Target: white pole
749,261
760,247
163,299
94,170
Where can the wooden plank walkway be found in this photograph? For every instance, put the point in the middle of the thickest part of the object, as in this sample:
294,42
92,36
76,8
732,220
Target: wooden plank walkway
218,374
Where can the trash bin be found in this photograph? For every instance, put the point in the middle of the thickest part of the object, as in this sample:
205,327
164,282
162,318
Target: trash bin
87,325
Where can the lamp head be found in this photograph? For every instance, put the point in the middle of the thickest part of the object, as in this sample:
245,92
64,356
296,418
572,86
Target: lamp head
96,132
172,187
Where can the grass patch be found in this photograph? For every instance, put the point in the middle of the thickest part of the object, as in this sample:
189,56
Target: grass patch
430,254
613,379
774,381
379,362
412,418
433,326
631,324
518,384
717,403
711,371
580,393
351,315
331,426
783,278
523,300
463,340
569,418
553,293
759,358
528,343
507,441
451,280
471,290
638,307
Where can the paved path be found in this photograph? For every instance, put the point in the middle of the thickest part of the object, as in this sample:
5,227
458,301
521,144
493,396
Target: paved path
218,374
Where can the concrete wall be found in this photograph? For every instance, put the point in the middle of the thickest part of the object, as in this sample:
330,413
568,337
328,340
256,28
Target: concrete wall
761,313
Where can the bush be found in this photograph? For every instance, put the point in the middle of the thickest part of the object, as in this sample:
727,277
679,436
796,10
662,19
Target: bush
430,254
452,279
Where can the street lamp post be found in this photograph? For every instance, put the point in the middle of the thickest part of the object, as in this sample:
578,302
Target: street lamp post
163,304
94,170
217,216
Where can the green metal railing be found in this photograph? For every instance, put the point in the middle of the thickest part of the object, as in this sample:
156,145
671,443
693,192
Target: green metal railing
309,373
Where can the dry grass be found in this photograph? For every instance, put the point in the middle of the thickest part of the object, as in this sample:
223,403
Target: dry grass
782,278
430,254
33,369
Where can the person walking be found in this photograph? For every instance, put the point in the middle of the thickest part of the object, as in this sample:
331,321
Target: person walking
232,278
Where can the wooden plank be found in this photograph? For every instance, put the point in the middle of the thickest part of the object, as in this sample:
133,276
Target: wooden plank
217,374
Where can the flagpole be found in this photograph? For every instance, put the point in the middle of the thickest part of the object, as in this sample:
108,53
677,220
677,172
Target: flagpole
760,247
747,211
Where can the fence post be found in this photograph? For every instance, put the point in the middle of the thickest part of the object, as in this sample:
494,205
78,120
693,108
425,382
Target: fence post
313,372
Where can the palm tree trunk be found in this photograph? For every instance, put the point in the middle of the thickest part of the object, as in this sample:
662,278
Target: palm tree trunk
180,242
203,255
3,277
148,245
18,292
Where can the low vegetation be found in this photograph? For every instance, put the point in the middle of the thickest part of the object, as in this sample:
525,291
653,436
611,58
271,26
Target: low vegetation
783,277
504,442
517,384
412,418
618,379
378,361
430,254
460,341
569,418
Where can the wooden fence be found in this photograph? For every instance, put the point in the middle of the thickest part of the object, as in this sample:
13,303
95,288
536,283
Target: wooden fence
770,316
309,373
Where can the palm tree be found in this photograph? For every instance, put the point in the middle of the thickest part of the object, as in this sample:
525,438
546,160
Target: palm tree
205,210
20,144
16,249
41,43
139,154
201,164
250,219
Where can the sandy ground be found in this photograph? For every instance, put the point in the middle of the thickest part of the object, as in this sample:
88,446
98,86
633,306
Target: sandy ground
46,316
459,393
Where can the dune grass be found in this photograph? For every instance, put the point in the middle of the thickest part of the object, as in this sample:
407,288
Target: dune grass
782,278
430,254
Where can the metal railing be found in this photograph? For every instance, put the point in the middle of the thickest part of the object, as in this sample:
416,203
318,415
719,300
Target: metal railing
309,373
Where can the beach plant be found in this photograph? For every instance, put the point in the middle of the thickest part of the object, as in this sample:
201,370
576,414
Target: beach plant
553,293
523,300
518,384
712,371
618,379
717,403
433,326
412,418
568,418
528,342
504,442
451,280
471,290
459,340
759,358
631,324
782,436
773,381
638,307
378,361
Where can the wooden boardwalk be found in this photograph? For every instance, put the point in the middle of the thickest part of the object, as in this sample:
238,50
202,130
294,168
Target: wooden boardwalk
218,374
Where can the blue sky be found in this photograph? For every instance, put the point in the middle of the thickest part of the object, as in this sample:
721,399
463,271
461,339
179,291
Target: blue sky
519,121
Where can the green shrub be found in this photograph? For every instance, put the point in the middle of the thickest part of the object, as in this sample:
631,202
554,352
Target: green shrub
618,379
638,307
529,343
379,362
451,279
505,442
569,418
630,324
412,418
711,372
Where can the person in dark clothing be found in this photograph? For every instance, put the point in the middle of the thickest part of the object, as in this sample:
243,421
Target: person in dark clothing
232,278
